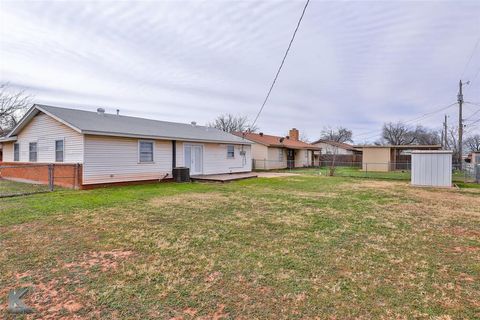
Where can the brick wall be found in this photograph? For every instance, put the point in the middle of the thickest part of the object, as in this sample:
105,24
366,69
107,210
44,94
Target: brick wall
64,175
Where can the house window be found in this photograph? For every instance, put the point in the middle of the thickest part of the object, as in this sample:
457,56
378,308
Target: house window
32,152
16,152
145,151
59,151
280,154
230,151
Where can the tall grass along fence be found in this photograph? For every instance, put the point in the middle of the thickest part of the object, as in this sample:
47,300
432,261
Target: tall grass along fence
27,178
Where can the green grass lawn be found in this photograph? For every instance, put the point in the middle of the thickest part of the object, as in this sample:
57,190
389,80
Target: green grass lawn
8,188
281,248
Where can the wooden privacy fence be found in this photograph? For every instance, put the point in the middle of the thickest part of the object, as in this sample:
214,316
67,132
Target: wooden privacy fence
341,158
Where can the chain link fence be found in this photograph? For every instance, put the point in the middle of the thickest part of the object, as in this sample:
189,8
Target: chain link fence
24,179
377,170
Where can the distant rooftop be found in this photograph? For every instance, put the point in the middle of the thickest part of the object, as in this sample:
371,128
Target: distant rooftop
276,141
403,146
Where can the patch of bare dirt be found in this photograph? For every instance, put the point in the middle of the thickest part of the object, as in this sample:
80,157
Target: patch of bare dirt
105,260
276,174
52,296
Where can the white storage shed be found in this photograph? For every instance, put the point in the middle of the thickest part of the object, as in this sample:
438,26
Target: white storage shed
432,168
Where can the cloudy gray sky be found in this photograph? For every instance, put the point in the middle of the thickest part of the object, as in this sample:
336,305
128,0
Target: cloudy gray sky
354,64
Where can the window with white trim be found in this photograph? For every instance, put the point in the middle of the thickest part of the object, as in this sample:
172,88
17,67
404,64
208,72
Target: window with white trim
280,154
16,152
32,152
145,150
230,151
59,144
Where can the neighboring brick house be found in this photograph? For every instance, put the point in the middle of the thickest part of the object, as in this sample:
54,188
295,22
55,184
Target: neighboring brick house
275,152
97,148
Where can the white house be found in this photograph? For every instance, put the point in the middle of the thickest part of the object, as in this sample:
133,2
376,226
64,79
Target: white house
334,147
112,148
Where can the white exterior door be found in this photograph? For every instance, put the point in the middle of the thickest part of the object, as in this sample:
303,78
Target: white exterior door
194,158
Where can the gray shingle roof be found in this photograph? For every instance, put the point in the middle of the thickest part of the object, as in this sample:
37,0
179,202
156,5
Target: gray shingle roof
111,124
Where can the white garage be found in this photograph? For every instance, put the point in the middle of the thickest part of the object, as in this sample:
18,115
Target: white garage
432,168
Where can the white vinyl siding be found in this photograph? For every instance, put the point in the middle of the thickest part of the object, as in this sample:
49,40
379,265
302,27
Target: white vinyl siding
116,159
45,131
214,160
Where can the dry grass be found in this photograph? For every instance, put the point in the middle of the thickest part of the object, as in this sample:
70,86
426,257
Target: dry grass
296,247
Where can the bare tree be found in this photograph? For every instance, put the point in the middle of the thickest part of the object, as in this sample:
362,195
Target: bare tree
230,123
397,134
473,143
339,134
13,104
304,137
424,135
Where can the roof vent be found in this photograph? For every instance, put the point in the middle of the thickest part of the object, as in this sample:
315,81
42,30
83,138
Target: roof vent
281,140
101,111
288,137
193,123
118,112
261,134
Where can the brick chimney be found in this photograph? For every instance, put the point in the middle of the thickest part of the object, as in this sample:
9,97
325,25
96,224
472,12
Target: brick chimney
294,134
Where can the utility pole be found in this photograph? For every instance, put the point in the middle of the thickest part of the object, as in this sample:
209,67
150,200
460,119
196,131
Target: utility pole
445,133
460,124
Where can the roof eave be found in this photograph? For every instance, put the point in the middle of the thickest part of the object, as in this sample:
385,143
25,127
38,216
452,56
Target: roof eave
8,139
116,134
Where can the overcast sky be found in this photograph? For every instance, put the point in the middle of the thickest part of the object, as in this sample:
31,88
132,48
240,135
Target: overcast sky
353,64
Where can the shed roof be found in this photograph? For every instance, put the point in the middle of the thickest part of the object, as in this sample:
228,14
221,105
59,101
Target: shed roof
87,122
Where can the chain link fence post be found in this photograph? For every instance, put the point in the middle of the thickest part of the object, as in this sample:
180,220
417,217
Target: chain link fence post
50,177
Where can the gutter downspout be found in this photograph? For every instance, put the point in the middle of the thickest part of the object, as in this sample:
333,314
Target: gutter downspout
174,154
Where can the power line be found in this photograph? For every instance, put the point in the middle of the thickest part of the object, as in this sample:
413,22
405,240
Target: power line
281,64
424,116
473,103
471,56
471,116
475,76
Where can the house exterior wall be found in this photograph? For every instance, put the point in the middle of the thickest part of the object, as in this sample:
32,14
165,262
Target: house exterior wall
329,149
215,159
303,158
45,130
115,159
376,159
476,158
432,169
268,158
259,151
